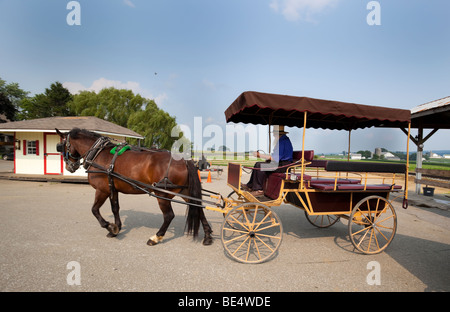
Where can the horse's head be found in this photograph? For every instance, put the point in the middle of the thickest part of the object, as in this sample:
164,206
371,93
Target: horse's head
70,154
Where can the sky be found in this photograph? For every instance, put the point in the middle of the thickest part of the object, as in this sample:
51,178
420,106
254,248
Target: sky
194,57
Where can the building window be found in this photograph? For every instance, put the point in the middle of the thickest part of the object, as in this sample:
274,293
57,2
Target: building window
31,147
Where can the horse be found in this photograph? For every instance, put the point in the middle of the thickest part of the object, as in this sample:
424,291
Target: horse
146,167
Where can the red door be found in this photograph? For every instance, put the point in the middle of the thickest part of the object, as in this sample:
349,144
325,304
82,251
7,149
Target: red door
53,161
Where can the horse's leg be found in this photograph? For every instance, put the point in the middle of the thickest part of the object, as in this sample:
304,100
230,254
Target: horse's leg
207,240
100,198
166,208
117,226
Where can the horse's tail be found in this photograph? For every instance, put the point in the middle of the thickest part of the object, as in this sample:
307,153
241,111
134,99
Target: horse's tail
195,190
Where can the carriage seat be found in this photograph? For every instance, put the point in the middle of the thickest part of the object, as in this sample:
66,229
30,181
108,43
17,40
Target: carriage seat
354,187
297,155
273,183
364,167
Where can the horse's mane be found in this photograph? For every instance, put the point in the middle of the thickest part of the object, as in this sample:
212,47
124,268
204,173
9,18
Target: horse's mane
75,133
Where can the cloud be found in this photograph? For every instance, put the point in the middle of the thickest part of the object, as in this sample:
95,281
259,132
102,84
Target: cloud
294,10
209,84
102,83
129,3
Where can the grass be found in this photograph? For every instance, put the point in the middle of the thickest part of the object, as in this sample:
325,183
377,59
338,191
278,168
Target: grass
435,165
440,164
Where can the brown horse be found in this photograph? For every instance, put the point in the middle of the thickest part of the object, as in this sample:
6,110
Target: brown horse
147,167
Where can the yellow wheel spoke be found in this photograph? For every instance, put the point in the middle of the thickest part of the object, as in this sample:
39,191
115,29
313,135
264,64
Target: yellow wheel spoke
234,239
241,245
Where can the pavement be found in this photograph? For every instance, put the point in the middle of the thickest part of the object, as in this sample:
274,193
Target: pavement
49,238
440,200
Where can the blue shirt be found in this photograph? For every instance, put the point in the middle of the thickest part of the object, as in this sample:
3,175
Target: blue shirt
283,150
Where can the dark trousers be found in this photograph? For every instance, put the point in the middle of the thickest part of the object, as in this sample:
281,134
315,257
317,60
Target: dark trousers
262,171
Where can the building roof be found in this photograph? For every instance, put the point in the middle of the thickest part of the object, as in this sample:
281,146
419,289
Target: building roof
434,114
68,123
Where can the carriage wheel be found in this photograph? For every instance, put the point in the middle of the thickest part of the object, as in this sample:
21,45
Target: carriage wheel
322,221
372,224
251,233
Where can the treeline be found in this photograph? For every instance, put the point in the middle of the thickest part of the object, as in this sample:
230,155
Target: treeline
121,107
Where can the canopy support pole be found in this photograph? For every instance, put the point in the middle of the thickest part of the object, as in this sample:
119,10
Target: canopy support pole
303,148
349,140
407,162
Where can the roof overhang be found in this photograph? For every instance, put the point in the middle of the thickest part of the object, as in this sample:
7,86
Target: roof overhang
66,124
432,115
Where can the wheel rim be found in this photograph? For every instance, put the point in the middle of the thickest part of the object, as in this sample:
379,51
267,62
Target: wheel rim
322,221
236,198
251,233
373,223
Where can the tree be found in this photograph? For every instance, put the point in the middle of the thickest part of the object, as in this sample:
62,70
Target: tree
155,124
128,110
110,104
51,103
366,154
6,107
10,98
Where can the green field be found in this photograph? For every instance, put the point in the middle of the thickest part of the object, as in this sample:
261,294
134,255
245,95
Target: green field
443,164
435,164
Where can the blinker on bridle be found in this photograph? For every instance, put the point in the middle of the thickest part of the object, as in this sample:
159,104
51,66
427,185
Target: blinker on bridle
71,165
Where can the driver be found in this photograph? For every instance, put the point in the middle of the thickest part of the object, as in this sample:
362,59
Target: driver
281,156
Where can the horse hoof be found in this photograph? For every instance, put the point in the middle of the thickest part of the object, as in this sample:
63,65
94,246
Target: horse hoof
110,235
207,241
155,239
113,229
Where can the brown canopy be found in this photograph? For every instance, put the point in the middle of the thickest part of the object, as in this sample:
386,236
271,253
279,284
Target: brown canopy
275,109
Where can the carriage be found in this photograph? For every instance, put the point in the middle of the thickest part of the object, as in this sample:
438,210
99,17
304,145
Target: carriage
326,190
251,232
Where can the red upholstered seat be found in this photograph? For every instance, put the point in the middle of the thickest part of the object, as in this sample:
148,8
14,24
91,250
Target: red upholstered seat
273,183
297,155
332,181
353,187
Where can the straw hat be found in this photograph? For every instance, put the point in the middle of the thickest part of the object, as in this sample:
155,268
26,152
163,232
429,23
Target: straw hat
279,130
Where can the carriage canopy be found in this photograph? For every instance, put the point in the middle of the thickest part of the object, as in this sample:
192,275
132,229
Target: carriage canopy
274,109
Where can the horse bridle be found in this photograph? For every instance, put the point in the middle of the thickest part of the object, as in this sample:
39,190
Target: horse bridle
72,166
88,157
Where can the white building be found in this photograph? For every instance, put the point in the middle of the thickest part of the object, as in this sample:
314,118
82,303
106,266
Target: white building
355,156
35,142
434,155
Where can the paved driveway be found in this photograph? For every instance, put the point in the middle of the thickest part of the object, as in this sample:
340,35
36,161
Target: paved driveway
46,226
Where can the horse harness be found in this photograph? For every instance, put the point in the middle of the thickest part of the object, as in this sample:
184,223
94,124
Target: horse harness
99,145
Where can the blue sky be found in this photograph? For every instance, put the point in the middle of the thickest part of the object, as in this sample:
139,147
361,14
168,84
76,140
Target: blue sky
194,57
